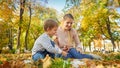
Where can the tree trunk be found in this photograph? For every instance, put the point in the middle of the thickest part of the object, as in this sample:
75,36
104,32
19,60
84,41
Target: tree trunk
110,33
94,45
89,46
84,46
27,31
22,6
118,44
104,44
10,44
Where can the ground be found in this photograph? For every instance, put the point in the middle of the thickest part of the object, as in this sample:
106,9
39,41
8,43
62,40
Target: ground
110,60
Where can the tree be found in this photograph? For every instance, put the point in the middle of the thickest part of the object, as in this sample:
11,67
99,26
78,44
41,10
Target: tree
6,29
22,7
28,27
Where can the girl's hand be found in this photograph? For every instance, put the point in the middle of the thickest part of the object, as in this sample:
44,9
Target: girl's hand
65,48
64,53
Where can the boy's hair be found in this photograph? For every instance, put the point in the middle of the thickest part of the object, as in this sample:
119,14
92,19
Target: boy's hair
68,16
50,23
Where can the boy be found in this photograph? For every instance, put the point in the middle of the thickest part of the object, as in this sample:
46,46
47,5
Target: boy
44,45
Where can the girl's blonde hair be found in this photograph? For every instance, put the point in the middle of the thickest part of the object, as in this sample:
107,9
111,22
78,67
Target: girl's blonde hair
67,16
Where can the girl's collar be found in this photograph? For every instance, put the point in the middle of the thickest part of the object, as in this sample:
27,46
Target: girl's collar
64,29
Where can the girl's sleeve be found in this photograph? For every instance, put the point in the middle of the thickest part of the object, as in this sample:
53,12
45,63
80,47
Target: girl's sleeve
76,38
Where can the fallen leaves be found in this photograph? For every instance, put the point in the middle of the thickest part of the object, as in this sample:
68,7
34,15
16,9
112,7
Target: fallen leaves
24,61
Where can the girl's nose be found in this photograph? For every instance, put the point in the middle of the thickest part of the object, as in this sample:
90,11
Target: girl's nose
69,24
55,33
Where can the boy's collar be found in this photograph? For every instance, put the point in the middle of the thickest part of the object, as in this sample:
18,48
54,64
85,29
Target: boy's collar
47,35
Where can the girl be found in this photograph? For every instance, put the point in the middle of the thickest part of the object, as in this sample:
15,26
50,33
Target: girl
68,39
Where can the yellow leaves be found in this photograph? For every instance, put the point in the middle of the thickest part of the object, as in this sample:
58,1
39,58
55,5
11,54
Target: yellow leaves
105,10
87,22
98,43
117,3
5,11
46,61
19,62
3,59
84,25
101,12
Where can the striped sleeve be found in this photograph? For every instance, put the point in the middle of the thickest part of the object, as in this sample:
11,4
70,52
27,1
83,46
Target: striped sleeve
45,42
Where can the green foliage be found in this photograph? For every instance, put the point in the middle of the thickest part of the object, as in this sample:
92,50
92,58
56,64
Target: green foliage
60,63
116,35
13,51
1,62
111,56
117,56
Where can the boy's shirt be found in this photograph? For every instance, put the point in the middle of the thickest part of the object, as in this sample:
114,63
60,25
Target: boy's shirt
43,43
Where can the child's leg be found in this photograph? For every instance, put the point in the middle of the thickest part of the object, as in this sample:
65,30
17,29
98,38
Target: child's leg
37,56
78,55
52,55
64,57
58,55
69,55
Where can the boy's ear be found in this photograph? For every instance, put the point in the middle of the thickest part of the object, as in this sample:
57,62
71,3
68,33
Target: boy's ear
48,29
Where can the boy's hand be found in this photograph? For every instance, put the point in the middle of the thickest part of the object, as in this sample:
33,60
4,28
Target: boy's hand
64,53
55,39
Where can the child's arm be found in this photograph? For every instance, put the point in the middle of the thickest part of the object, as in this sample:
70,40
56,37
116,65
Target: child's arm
77,42
48,46
55,39
64,53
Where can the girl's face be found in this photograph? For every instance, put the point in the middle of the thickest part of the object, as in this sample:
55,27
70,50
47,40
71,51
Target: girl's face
67,23
52,31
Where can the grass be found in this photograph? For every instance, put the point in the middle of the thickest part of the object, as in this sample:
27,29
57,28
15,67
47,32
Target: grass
60,63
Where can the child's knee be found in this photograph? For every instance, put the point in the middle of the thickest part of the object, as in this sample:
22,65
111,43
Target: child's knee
37,57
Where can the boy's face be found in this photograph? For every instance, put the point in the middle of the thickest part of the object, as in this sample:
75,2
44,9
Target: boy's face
52,31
